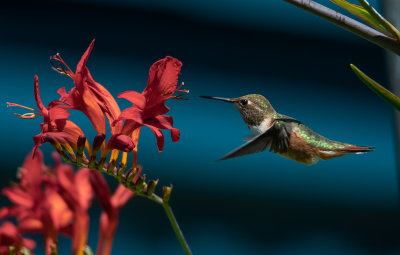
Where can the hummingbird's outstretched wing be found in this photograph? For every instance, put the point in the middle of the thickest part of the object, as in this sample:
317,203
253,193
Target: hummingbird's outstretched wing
276,138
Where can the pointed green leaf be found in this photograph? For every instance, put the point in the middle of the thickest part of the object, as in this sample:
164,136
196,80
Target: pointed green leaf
377,88
363,14
381,20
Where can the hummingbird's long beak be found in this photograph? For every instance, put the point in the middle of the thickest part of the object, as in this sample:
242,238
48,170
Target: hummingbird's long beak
219,98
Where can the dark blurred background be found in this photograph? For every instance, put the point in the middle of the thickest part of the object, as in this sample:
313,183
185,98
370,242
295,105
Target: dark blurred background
259,204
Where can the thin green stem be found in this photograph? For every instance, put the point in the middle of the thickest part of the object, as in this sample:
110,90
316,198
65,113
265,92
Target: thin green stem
176,228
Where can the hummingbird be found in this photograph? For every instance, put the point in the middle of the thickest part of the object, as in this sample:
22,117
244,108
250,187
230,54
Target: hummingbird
282,134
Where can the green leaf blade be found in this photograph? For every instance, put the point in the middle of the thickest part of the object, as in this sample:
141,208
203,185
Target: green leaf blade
381,20
364,14
377,88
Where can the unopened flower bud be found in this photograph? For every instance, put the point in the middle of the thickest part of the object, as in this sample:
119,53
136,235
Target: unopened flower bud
121,143
151,186
81,143
97,142
166,193
133,174
140,182
79,149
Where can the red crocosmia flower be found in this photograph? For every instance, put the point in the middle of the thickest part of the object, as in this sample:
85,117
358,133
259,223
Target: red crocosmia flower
55,127
91,98
77,192
38,206
88,96
110,205
10,236
149,106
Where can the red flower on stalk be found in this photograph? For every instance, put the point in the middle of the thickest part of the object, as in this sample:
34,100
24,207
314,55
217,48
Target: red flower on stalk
77,193
89,96
10,236
38,207
110,205
55,128
149,106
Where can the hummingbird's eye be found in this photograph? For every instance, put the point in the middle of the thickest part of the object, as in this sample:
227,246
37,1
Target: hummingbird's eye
243,102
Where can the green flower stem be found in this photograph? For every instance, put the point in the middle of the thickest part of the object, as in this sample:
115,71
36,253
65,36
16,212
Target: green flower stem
349,24
176,228
167,209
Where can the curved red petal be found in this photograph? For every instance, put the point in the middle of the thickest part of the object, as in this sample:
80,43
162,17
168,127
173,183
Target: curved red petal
62,92
175,134
18,196
163,76
155,108
58,112
28,243
159,136
101,190
38,140
161,121
134,97
11,211
39,102
83,187
9,229
82,99
131,113
106,102
57,208
161,85
65,177
31,225
90,107
65,132
82,63
121,196
31,173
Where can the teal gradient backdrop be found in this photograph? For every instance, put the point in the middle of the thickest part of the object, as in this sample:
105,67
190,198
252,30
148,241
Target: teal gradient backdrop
259,204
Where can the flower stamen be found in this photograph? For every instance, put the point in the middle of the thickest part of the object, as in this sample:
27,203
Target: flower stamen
22,106
60,67
29,115
178,97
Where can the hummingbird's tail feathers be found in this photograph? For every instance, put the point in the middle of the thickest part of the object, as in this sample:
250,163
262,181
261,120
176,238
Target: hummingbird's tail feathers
354,149
357,149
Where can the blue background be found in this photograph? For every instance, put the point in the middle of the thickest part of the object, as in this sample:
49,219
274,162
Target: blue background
259,204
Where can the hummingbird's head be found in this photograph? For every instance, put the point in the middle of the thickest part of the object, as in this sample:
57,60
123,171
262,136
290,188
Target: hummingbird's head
253,108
